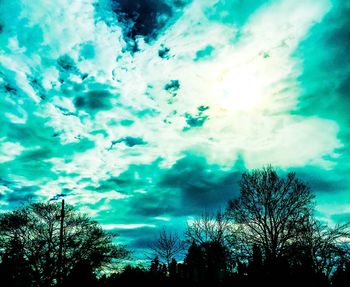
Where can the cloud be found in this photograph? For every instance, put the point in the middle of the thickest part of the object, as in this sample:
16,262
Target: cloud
204,53
201,185
145,18
140,110
13,194
129,141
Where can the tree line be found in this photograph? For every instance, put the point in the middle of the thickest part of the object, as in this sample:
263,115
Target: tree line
268,235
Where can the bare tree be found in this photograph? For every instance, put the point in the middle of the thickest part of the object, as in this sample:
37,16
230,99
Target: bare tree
327,246
271,211
167,246
211,233
208,228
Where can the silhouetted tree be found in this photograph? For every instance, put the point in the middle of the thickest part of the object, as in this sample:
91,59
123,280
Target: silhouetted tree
14,268
195,263
81,274
208,228
215,255
36,230
271,211
173,268
255,267
163,269
341,277
154,265
206,262
326,248
167,246
211,233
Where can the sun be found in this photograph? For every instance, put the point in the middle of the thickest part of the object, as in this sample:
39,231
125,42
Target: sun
238,90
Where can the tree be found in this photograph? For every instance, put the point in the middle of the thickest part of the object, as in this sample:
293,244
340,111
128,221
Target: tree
208,228
35,228
195,262
327,248
271,211
211,233
154,268
13,268
255,263
173,268
167,246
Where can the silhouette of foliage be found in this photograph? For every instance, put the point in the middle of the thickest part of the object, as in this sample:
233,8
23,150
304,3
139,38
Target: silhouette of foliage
30,240
167,246
271,211
267,236
208,228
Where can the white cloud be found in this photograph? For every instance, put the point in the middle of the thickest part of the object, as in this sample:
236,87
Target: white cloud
250,85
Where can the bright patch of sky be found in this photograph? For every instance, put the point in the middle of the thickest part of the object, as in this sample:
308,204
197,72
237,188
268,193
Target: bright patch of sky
145,113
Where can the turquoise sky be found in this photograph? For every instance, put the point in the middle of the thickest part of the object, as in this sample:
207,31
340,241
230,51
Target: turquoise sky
144,113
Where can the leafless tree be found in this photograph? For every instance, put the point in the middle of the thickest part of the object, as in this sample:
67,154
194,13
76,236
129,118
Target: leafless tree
327,246
212,234
167,246
208,228
271,211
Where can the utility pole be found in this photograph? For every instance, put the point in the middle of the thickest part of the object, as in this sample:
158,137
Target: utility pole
60,251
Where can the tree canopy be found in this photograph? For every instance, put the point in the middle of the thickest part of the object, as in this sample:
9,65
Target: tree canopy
267,235
30,240
271,211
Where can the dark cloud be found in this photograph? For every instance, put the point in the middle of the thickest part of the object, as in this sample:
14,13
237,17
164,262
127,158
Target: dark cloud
204,53
40,143
127,123
112,183
163,52
157,203
202,185
7,82
326,72
16,193
21,195
188,187
137,177
94,101
196,120
128,141
172,87
202,108
325,87
141,237
38,87
66,112
145,18
320,180
66,64
59,196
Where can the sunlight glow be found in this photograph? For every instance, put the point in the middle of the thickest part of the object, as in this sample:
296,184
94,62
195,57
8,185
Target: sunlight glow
239,90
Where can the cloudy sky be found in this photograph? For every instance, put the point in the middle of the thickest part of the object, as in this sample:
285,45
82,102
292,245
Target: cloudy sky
144,113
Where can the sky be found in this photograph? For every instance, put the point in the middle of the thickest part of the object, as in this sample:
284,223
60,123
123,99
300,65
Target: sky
145,113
